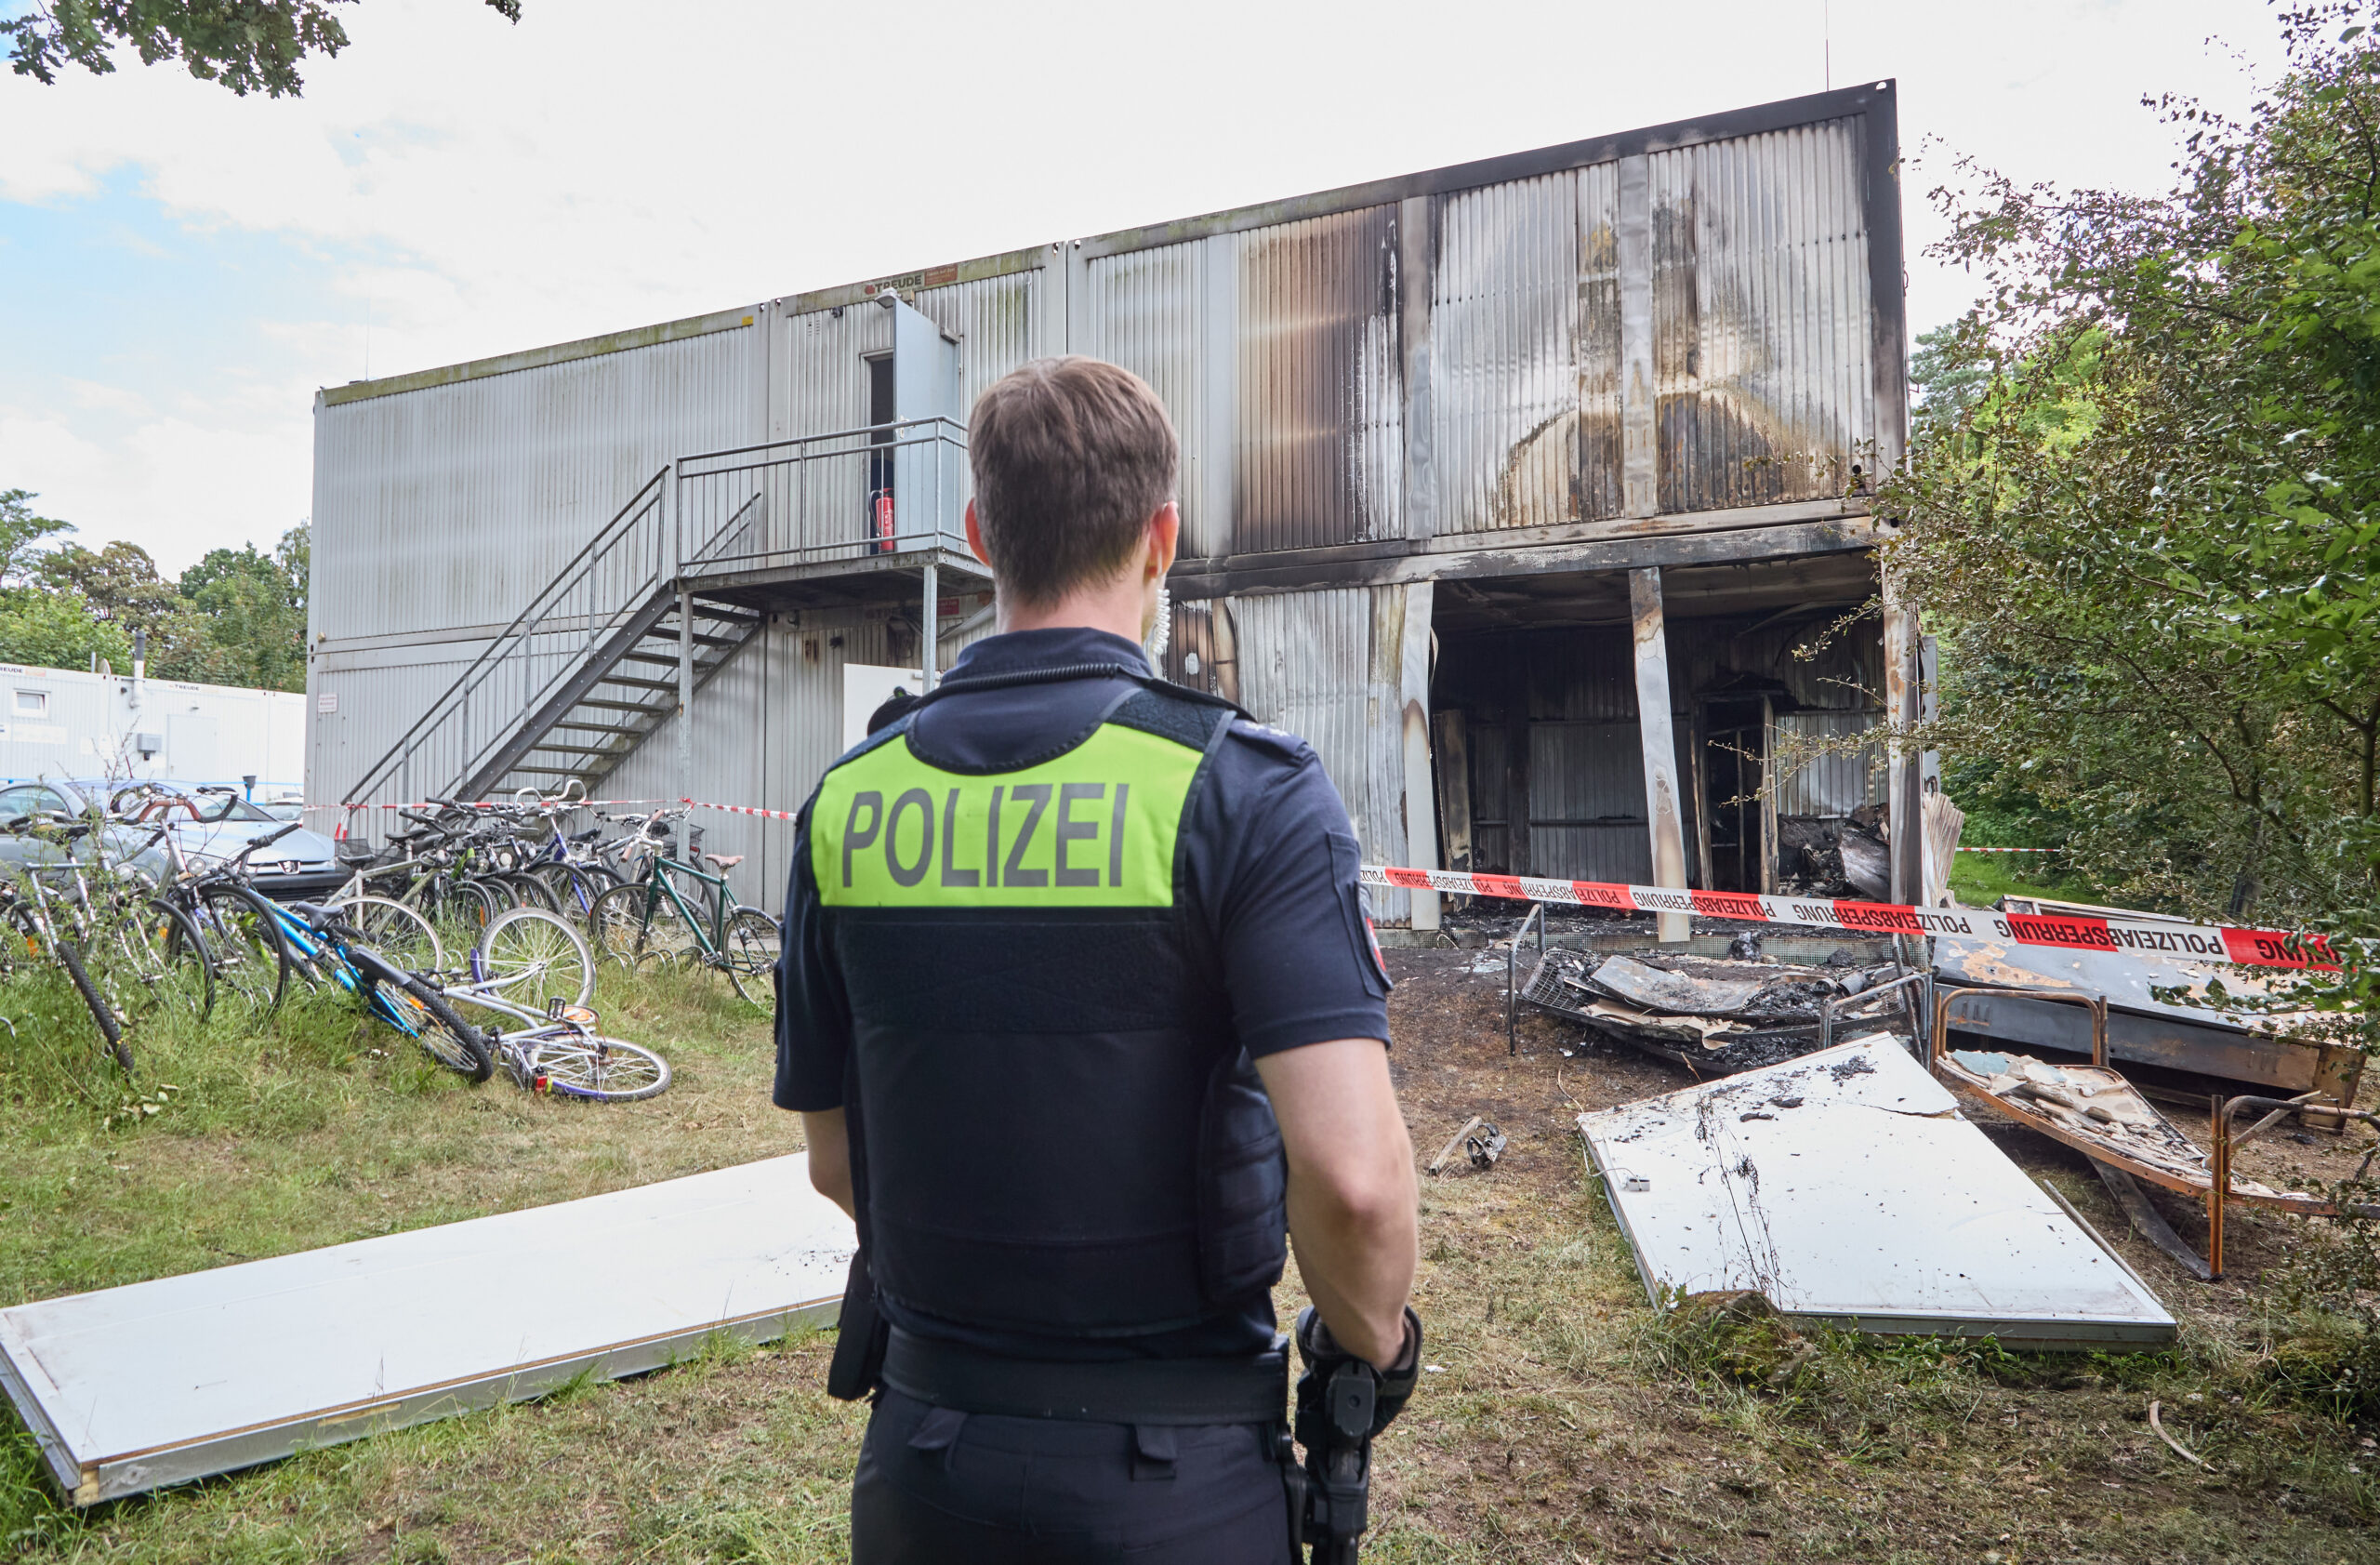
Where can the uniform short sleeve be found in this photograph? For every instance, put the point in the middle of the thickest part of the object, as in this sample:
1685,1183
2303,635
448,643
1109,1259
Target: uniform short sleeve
813,1014
1289,916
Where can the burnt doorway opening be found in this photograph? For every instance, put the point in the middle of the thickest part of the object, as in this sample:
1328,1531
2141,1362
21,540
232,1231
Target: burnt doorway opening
880,415
1734,775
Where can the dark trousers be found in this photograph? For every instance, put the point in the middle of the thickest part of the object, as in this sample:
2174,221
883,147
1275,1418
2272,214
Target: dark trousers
938,1487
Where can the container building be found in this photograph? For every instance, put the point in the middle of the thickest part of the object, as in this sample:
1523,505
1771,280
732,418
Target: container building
1534,492
66,724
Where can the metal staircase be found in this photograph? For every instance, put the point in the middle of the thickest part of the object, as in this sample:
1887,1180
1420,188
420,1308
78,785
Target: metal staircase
664,595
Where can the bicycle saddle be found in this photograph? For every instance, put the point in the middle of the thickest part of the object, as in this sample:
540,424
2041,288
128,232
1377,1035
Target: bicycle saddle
314,913
724,860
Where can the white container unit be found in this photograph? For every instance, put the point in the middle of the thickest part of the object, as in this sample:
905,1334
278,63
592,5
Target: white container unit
65,722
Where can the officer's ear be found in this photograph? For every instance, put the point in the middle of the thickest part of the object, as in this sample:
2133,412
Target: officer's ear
975,537
1165,537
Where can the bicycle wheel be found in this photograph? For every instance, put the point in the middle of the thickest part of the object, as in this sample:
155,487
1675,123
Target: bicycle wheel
398,933
531,956
528,891
478,904
575,886
160,965
452,1042
252,961
750,957
20,941
622,932
111,1026
605,1070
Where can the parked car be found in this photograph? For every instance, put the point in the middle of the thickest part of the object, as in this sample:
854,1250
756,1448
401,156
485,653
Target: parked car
58,803
217,823
285,809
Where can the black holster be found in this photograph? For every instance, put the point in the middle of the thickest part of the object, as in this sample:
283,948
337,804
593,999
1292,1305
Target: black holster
861,1334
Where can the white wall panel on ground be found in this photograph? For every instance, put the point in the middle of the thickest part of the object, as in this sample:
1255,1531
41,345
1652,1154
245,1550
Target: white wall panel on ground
1320,449
1760,318
1504,342
446,507
1323,665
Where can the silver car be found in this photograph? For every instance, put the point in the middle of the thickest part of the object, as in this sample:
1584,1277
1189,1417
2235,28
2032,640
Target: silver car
53,803
217,823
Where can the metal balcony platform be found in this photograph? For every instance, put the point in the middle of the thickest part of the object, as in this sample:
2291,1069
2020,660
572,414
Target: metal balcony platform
159,1382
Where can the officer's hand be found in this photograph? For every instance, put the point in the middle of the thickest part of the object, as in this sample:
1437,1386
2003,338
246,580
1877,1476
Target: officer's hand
1322,1354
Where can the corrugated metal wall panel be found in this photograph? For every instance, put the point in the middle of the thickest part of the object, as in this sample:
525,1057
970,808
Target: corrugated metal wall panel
377,694
1146,311
1314,663
1816,775
1320,453
473,493
1762,351
1601,491
994,319
1583,772
1616,855
1586,675
819,376
1505,341
1822,666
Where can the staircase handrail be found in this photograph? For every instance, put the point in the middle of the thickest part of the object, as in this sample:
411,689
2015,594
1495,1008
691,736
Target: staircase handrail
499,646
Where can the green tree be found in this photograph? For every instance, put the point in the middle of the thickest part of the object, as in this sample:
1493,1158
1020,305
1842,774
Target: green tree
22,535
249,45
2151,534
58,631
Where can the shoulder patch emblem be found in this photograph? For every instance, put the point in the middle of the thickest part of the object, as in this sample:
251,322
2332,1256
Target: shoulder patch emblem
1371,941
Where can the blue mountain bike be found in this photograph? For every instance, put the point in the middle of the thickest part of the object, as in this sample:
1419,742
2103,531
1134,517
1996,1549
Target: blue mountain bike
321,941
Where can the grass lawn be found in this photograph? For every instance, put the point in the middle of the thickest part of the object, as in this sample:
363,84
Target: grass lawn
1566,1422
1978,880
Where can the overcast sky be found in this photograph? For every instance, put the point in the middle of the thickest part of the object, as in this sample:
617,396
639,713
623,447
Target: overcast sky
179,268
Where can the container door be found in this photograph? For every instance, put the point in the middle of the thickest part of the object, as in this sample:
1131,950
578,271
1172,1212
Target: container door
929,455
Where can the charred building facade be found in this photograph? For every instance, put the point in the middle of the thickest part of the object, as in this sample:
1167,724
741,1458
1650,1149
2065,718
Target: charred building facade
1535,493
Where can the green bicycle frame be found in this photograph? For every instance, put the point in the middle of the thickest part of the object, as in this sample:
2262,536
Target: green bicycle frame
711,941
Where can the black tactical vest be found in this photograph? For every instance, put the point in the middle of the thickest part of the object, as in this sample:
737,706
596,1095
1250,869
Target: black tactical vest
1054,1128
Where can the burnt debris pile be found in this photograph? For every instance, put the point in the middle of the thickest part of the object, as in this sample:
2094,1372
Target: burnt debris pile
1715,1015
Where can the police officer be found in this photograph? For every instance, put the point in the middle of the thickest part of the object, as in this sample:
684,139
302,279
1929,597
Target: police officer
1081,1010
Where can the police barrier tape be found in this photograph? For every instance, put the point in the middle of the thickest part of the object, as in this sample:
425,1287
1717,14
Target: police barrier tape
2255,947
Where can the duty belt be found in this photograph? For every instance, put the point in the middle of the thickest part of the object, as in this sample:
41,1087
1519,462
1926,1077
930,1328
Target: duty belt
1179,1391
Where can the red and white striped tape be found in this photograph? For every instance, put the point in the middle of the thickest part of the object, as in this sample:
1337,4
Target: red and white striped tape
743,810
2256,948
2009,850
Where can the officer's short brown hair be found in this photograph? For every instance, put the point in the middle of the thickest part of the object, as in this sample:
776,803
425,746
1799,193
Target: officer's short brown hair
1071,458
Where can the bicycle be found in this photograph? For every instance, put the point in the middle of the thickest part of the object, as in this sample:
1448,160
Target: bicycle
561,1052
129,952
651,917
245,950
327,942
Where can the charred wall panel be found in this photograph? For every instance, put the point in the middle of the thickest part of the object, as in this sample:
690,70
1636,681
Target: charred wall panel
1763,365
1321,446
1322,666
1505,341
1818,773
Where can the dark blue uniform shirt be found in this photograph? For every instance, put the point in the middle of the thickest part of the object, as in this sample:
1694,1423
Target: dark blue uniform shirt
1270,866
